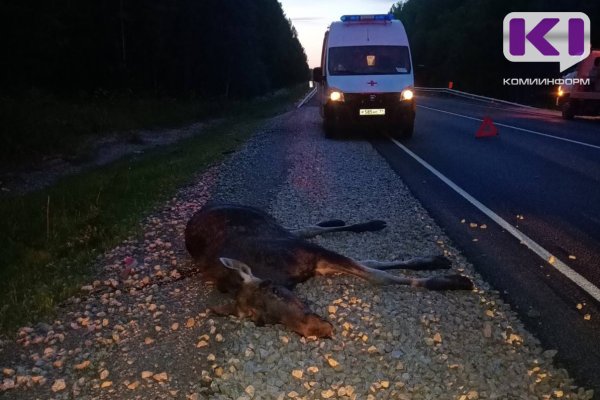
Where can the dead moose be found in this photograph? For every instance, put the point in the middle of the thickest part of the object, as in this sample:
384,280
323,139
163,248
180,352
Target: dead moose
264,261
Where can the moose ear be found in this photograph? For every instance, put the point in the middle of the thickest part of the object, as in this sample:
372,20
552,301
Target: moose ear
242,269
231,263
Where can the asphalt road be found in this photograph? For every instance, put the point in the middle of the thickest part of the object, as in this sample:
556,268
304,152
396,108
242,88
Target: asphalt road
542,176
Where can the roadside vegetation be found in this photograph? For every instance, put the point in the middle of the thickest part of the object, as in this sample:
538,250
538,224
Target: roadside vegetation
38,126
42,126
76,69
50,238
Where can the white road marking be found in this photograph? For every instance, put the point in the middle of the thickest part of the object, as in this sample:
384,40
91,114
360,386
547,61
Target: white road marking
308,97
593,146
567,271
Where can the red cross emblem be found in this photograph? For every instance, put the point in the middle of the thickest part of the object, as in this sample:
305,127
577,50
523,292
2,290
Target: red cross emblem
372,83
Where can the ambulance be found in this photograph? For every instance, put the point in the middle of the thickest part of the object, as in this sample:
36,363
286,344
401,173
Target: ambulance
366,76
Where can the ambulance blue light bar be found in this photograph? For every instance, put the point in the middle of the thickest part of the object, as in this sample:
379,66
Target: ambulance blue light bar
359,18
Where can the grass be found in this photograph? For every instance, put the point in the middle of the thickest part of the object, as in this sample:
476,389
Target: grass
51,237
37,125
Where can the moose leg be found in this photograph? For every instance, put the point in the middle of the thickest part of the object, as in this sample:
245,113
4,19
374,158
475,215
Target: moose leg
333,226
329,262
415,264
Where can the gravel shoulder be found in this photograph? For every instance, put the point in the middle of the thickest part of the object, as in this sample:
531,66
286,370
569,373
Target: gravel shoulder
139,332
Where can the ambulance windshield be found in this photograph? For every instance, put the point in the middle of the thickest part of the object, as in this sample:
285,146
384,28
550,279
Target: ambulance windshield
369,60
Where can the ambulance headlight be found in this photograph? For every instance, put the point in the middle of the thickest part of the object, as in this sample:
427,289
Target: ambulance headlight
336,96
407,94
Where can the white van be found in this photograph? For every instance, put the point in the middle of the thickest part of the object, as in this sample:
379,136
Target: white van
366,75
574,98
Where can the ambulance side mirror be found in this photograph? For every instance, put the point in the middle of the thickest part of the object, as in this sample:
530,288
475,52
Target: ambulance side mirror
317,74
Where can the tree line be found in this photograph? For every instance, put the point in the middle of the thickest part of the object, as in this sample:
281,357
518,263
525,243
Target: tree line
461,41
232,48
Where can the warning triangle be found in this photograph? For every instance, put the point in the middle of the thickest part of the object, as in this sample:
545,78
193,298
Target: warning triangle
487,128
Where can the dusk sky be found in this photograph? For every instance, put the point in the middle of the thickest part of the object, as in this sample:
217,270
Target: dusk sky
311,18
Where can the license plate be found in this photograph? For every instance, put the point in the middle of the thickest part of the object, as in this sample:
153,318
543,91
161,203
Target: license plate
372,111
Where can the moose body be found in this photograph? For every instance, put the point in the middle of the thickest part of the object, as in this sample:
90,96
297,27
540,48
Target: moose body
249,235
269,252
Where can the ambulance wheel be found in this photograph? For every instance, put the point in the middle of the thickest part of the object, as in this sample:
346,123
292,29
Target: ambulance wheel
330,129
568,111
408,130
404,131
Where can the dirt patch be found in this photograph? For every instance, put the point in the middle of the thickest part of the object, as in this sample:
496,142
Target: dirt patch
98,152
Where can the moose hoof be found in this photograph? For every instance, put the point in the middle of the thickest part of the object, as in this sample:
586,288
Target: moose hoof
376,225
449,282
441,262
371,226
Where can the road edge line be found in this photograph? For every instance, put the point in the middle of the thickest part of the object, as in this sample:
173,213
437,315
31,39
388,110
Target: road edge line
563,268
307,97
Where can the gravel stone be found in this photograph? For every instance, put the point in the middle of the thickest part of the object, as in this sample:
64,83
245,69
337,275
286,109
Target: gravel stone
59,385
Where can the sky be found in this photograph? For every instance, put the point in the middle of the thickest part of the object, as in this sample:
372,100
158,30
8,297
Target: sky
311,18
